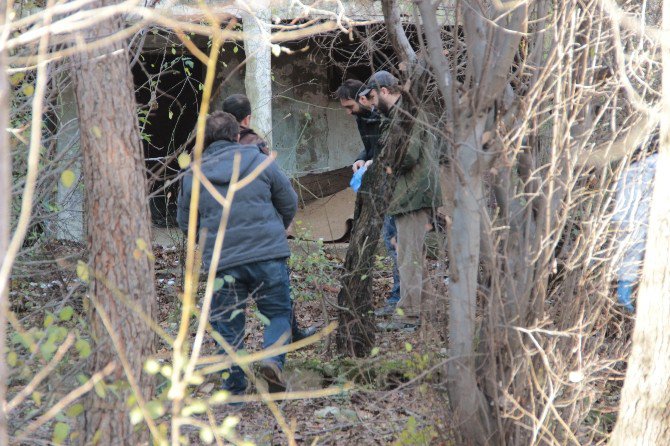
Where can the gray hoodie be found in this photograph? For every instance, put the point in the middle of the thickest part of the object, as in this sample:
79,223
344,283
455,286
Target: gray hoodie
260,213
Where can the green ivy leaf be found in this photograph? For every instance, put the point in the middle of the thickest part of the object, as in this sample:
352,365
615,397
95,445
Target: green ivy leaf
194,408
184,159
206,434
60,432
218,283
219,397
48,349
155,409
75,410
136,416
100,389
83,348
82,271
95,131
152,366
66,313
48,320
28,90
67,178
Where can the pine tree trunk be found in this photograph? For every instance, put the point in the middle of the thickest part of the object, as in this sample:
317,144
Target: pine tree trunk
644,415
5,224
118,224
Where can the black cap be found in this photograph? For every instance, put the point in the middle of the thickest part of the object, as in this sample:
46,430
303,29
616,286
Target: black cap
378,80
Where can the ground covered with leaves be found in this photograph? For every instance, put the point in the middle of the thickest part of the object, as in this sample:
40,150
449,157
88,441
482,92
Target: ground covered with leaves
396,396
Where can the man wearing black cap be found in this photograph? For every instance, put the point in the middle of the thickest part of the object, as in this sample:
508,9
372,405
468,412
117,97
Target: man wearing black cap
416,195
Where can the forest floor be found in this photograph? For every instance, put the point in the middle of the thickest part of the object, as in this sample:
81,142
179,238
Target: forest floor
396,396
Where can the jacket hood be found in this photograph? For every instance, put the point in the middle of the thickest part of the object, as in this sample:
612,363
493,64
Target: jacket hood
218,160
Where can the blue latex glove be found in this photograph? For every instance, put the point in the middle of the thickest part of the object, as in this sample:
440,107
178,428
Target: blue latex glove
355,182
624,291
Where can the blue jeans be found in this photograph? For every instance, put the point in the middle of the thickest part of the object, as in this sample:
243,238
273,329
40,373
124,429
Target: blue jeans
268,283
390,231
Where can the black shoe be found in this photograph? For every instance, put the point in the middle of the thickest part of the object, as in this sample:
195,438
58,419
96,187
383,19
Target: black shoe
301,333
388,309
407,326
271,373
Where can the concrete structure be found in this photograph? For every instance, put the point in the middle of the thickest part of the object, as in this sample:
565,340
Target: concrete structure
69,224
291,91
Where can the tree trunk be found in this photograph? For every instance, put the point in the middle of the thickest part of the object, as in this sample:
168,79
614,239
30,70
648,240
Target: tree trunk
120,264
258,72
5,225
467,400
644,415
356,332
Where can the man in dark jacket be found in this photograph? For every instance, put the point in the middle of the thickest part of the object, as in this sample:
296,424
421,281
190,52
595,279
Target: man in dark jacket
369,127
416,196
239,106
253,257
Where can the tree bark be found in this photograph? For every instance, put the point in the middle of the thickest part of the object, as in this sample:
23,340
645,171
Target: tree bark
5,225
120,264
645,410
467,400
258,73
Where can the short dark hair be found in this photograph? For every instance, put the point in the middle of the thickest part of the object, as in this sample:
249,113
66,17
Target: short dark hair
237,105
349,89
221,126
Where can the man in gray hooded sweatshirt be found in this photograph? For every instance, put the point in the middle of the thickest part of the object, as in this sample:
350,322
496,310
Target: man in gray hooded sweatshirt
253,260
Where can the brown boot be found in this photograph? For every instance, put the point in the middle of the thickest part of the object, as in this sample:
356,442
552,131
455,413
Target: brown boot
271,373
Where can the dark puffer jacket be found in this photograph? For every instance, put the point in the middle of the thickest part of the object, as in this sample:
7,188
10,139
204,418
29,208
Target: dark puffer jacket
260,213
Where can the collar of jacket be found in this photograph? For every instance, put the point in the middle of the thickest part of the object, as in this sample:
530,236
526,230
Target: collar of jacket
370,116
220,145
246,130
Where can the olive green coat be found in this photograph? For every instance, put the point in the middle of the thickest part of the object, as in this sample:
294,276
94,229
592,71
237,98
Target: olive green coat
418,185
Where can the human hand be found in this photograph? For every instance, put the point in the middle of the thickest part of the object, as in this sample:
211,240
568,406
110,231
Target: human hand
357,165
367,163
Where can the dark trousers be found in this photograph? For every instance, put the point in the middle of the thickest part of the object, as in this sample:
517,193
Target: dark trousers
267,282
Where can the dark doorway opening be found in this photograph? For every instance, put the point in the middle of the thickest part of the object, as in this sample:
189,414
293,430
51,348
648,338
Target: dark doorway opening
168,88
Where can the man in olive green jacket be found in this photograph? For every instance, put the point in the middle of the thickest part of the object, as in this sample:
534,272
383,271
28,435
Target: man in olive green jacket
416,195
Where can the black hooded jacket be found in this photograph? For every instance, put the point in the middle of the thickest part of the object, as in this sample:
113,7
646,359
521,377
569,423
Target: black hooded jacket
369,126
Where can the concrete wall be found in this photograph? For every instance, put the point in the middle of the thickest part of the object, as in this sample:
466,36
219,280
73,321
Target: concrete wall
69,223
311,131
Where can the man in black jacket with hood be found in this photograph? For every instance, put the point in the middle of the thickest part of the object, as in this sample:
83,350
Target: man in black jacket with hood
369,126
253,258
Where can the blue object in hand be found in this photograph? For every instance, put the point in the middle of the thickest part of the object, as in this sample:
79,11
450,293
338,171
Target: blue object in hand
355,182
624,292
